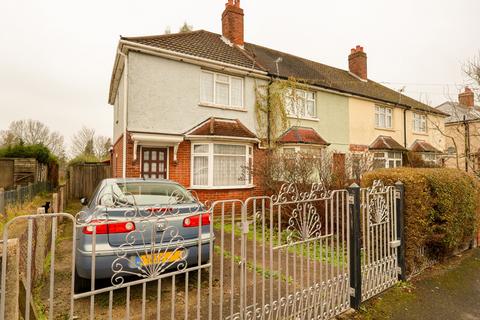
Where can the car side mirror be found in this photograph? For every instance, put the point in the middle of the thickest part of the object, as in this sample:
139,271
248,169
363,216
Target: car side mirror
84,201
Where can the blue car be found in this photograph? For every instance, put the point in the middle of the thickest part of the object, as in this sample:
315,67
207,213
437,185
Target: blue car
139,228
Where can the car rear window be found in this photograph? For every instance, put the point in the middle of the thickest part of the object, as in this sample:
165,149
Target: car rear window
145,194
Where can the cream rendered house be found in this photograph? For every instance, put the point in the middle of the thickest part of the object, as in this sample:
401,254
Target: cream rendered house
184,109
463,130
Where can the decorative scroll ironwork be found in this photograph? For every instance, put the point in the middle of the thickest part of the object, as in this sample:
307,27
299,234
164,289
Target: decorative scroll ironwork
304,223
378,210
290,193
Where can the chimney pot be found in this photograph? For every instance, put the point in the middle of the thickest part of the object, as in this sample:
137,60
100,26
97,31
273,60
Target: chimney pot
232,22
466,98
357,62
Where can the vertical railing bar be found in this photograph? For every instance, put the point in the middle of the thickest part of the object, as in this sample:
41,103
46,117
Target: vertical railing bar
72,283
29,269
52,266
232,266
172,316
186,297
159,298
222,253
243,258
92,278
254,249
4,271
199,262
210,271
144,298
127,306
110,304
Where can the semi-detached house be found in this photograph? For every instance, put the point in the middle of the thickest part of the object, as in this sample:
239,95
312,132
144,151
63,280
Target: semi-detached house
184,109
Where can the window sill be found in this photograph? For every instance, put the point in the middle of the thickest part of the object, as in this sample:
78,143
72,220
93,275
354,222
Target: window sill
420,133
385,129
304,118
221,188
218,106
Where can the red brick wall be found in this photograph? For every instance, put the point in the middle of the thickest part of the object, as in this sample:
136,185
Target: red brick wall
179,171
133,166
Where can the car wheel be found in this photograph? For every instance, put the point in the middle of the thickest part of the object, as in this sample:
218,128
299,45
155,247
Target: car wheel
81,284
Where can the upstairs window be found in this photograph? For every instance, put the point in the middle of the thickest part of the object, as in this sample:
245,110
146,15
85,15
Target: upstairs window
419,123
301,103
222,90
383,117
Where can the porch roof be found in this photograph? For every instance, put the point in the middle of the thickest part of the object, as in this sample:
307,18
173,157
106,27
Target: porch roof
423,146
302,135
386,143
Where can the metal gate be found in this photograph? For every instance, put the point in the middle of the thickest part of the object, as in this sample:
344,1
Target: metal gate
293,255
380,241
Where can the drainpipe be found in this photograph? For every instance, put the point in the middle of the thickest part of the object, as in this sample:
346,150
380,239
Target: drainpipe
405,127
125,104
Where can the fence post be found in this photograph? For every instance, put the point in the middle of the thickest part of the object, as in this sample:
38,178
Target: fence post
55,203
19,194
2,203
30,191
355,255
400,206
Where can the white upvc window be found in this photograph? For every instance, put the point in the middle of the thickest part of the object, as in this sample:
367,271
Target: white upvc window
383,117
301,103
293,150
222,90
419,123
221,165
387,159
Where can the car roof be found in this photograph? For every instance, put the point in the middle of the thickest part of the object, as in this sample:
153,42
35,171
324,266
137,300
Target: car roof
133,180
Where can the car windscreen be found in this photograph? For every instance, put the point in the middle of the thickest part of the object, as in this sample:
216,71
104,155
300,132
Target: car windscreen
144,194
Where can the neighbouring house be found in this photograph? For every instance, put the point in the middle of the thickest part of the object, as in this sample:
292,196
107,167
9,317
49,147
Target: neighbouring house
463,130
185,109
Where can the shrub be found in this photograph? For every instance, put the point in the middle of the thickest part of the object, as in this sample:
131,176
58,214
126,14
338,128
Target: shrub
37,151
441,209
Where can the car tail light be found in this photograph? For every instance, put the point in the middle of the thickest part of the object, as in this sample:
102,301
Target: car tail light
194,221
105,228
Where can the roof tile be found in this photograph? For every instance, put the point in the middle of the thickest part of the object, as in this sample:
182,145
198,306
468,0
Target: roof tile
302,135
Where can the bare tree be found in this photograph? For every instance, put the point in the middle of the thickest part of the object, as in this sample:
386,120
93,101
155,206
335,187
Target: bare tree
31,132
86,143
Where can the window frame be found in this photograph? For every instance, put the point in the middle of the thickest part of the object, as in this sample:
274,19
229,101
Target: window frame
422,119
214,103
210,154
304,95
381,111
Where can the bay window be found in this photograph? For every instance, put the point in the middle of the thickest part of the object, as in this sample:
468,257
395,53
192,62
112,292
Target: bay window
383,117
220,89
387,159
419,123
301,103
221,165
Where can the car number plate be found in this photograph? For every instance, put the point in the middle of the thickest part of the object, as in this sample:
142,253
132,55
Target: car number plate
159,258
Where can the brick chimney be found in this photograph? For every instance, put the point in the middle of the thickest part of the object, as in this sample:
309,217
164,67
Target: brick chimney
232,22
466,98
357,62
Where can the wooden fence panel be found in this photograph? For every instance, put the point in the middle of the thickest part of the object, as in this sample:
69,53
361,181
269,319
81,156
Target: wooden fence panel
84,178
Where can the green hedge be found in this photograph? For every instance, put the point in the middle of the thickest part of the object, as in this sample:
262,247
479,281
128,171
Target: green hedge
441,209
37,151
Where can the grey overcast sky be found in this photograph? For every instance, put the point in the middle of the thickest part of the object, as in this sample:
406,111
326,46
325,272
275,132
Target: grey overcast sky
56,56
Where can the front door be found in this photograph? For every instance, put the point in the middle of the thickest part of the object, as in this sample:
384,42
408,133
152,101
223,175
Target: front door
154,163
